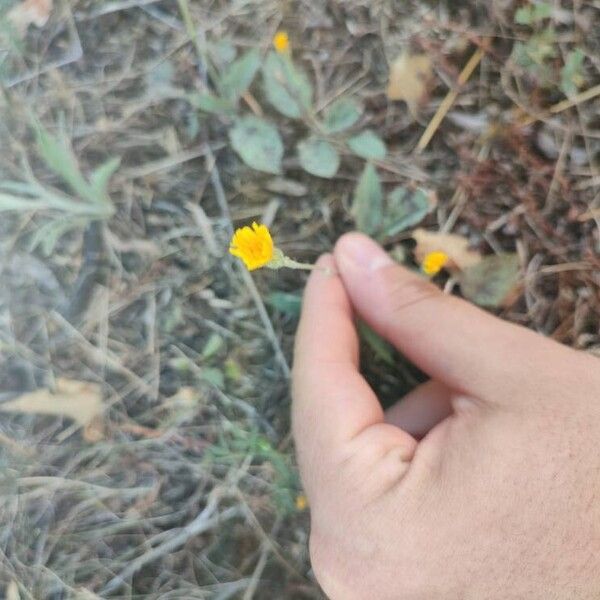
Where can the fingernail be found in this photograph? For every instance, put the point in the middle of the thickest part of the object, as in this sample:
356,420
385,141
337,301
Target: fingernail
363,252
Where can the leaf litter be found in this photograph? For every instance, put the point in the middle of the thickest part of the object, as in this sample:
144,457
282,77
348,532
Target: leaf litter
80,401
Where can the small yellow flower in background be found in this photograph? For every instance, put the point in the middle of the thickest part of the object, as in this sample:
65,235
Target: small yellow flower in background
301,502
434,262
254,245
281,42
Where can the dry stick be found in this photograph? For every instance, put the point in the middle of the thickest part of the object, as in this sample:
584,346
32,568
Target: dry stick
589,94
448,101
103,359
205,521
265,550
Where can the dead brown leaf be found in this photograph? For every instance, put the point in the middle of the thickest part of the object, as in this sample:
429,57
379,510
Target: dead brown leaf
77,400
455,246
409,75
29,12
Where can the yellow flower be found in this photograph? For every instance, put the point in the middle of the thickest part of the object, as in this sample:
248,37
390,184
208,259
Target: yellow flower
253,245
281,42
301,502
434,262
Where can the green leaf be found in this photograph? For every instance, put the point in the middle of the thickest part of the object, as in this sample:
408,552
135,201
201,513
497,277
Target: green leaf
524,15
101,175
286,86
213,376
286,303
528,15
213,345
232,370
210,103
341,115
571,75
33,196
490,281
9,202
57,154
405,208
318,157
47,235
368,145
367,206
223,51
239,75
159,80
539,48
59,157
380,347
258,144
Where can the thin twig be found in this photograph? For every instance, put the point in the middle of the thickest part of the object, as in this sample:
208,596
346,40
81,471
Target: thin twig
449,100
103,359
588,94
202,523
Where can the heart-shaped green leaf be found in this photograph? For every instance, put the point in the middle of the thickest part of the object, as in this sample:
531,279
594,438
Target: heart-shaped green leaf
405,208
318,157
368,145
341,115
258,144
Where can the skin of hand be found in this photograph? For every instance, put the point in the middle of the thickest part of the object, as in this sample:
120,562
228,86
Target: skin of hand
483,483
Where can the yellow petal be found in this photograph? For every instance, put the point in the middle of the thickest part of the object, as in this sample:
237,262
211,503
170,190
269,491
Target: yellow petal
253,245
434,262
281,42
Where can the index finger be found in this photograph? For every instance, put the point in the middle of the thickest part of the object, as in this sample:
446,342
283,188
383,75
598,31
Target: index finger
332,403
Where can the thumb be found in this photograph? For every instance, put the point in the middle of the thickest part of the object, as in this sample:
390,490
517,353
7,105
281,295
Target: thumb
451,340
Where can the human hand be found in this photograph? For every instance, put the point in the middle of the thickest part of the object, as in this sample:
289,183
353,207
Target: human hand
501,497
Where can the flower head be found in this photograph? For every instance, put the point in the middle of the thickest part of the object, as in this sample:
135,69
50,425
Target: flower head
281,42
434,262
301,502
253,245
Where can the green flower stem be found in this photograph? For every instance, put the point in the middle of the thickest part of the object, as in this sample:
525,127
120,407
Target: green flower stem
293,264
281,261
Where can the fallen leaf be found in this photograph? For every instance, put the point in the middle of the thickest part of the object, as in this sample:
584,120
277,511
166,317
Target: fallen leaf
455,246
77,400
409,75
29,12
491,281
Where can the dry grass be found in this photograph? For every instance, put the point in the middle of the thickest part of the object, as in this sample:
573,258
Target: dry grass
189,490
